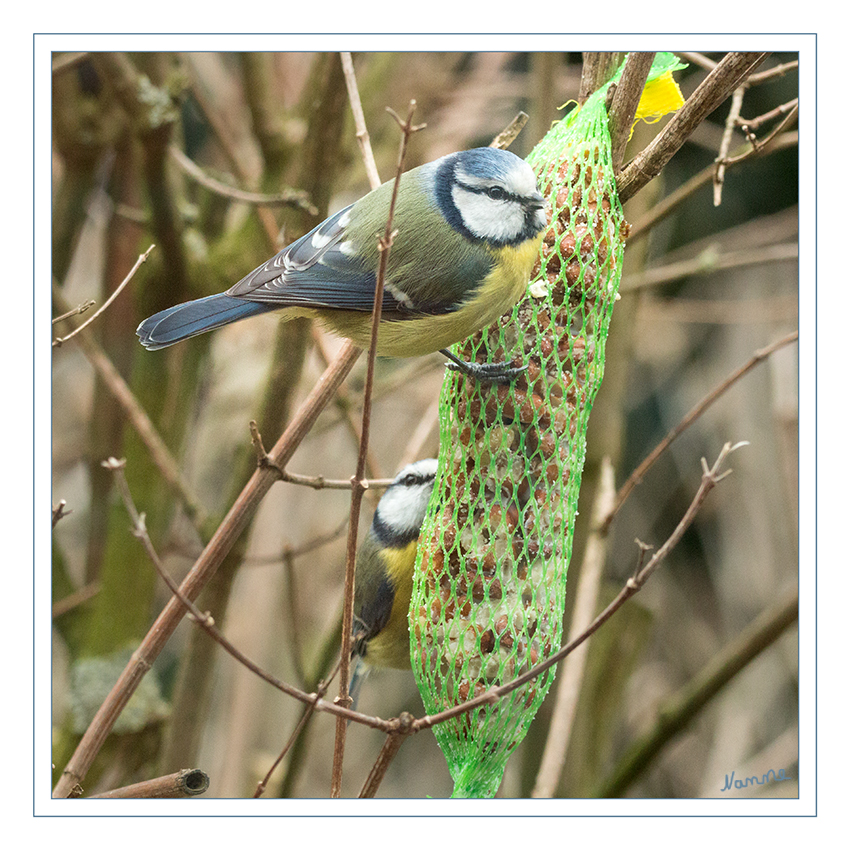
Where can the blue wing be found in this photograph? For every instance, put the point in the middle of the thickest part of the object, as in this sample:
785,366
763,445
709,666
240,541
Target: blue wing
315,271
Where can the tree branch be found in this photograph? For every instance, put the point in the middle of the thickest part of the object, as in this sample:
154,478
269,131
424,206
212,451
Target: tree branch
729,73
621,114
384,246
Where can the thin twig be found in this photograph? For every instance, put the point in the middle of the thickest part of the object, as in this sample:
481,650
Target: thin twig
346,406
709,260
698,59
747,124
726,141
72,600
75,312
299,727
384,247
60,340
391,746
316,482
665,207
359,120
773,73
59,512
205,619
759,144
139,420
637,476
710,478
285,198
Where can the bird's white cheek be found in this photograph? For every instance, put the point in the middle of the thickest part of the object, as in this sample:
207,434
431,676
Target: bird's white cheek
486,218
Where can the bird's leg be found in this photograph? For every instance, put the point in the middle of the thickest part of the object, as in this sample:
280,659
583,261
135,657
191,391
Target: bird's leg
485,373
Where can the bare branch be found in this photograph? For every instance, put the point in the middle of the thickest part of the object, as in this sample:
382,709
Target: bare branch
59,340
621,115
503,140
759,144
72,600
75,312
773,73
205,619
749,124
59,512
667,205
708,261
391,746
317,482
159,452
698,59
299,727
686,703
384,247
285,198
709,94
596,69
359,120
637,476
726,141
184,783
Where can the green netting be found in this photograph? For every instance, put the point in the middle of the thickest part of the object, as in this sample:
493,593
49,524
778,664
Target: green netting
489,585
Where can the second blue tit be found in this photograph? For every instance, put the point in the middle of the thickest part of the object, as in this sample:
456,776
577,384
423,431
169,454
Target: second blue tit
469,228
383,579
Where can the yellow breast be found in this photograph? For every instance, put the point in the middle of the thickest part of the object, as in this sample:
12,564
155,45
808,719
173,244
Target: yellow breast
391,646
498,292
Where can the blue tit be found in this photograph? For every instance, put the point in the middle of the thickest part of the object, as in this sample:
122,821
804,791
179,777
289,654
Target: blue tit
383,577
469,229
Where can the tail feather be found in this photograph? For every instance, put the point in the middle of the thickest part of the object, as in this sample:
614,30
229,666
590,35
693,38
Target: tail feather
195,317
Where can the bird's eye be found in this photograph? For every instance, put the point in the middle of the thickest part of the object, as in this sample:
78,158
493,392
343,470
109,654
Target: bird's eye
497,193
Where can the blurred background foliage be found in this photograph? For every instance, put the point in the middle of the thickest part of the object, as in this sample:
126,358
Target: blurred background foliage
702,291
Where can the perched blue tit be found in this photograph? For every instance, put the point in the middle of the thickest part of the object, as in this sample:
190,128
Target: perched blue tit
469,227
383,577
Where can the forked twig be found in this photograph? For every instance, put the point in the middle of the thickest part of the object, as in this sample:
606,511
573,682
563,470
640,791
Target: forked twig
384,247
142,257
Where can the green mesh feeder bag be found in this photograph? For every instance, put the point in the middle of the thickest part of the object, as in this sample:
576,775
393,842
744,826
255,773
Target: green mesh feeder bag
490,579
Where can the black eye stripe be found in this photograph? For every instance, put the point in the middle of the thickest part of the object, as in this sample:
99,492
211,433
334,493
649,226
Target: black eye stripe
485,190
